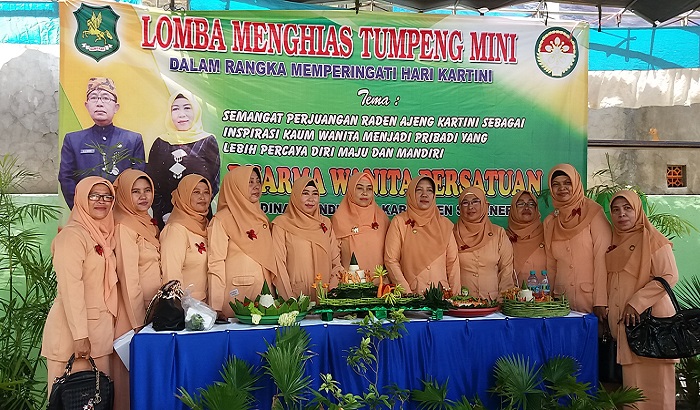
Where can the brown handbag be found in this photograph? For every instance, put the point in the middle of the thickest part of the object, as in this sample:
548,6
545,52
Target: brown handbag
165,309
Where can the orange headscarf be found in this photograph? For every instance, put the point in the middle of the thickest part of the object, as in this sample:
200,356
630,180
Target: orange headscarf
245,223
576,214
631,250
471,236
350,214
363,227
101,231
306,226
421,251
125,212
183,213
527,235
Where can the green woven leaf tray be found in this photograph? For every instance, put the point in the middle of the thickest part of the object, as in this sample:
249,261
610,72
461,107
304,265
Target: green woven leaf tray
535,309
362,302
266,320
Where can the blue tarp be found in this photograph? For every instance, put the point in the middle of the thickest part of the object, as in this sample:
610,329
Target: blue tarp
36,22
251,5
32,22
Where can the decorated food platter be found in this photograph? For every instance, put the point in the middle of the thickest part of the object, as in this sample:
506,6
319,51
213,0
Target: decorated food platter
472,312
268,310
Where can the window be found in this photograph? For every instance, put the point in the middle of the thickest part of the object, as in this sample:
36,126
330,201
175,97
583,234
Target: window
675,176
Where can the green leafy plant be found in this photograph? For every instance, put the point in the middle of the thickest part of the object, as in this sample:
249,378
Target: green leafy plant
284,363
363,360
433,396
688,383
28,290
520,385
234,392
687,291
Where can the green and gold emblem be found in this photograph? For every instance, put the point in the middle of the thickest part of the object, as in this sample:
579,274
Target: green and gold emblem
96,35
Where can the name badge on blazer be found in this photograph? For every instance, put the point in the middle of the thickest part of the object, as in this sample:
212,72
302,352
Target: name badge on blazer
87,151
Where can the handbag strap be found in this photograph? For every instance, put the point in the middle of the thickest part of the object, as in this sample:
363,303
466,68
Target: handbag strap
667,287
69,365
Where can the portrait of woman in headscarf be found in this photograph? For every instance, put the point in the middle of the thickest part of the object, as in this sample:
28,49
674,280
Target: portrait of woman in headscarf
185,148
183,242
81,320
485,252
304,243
576,236
639,252
526,234
420,249
360,223
240,242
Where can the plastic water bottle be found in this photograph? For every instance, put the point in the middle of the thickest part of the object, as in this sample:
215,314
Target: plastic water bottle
544,284
533,284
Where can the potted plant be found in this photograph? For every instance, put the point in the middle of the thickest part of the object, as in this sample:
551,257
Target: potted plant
28,290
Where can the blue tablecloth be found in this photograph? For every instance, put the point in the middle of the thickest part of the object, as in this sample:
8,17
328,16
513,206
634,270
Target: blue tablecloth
461,350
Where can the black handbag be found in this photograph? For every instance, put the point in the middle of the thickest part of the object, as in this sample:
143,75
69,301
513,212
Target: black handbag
609,371
87,389
666,337
165,309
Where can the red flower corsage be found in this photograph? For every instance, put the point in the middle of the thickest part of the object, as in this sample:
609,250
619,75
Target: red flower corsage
99,250
200,247
375,226
154,221
576,211
324,227
411,222
251,234
611,247
464,247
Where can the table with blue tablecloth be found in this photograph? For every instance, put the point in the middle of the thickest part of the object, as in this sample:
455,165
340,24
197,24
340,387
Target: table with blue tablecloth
462,351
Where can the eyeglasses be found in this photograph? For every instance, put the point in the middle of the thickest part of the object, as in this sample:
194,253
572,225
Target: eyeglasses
104,99
473,203
526,204
99,197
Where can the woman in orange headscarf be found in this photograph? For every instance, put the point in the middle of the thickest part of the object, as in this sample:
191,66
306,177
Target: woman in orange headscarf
360,224
526,234
81,320
304,243
576,236
138,262
240,243
420,248
485,253
137,246
183,241
639,253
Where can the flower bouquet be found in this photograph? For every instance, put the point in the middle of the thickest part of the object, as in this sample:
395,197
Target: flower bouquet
268,310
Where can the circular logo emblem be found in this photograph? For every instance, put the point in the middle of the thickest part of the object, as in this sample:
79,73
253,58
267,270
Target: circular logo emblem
557,52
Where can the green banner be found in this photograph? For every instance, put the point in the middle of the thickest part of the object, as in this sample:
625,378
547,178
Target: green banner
480,101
